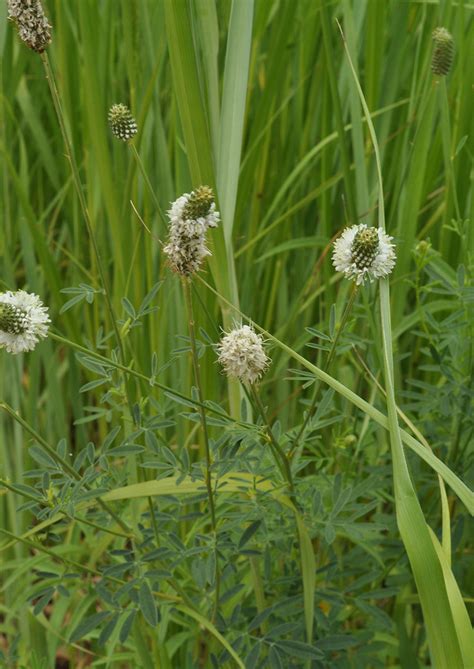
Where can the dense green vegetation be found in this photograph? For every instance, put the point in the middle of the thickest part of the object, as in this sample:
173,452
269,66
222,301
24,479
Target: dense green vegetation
129,539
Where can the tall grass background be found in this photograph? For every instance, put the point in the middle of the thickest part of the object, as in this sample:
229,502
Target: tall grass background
258,100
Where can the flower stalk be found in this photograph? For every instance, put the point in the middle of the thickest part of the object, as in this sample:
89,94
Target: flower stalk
279,455
146,178
197,377
242,356
79,190
85,212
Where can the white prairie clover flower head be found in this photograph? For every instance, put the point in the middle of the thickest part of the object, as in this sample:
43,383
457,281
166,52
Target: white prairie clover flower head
190,217
34,28
361,252
23,321
122,122
242,355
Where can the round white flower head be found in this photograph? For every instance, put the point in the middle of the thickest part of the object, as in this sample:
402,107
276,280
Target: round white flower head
242,355
190,217
23,321
364,253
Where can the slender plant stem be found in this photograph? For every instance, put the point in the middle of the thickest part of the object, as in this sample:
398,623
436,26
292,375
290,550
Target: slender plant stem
329,359
280,457
79,190
145,176
85,212
446,134
90,230
197,376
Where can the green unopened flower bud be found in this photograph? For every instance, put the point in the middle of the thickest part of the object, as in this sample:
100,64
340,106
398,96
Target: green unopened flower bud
34,28
443,53
122,122
199,203
423,247
346,441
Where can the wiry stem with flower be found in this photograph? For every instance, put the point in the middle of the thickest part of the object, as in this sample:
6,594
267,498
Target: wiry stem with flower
85,212
190,217
80,195
243,357
34,30
197,377
362,254
124,127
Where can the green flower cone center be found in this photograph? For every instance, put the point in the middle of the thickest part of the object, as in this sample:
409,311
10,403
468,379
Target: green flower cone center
365,247
199,203
12,319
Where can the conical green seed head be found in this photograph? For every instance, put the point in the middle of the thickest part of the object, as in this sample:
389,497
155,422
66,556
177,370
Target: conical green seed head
12,319
199,203
122,122
443,53
365,247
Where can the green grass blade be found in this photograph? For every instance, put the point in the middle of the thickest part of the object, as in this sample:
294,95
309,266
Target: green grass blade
444,641
239,42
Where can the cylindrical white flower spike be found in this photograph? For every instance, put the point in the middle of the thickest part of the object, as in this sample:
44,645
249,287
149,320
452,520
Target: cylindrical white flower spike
23,321
364,253
242,355
190,217
33,26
